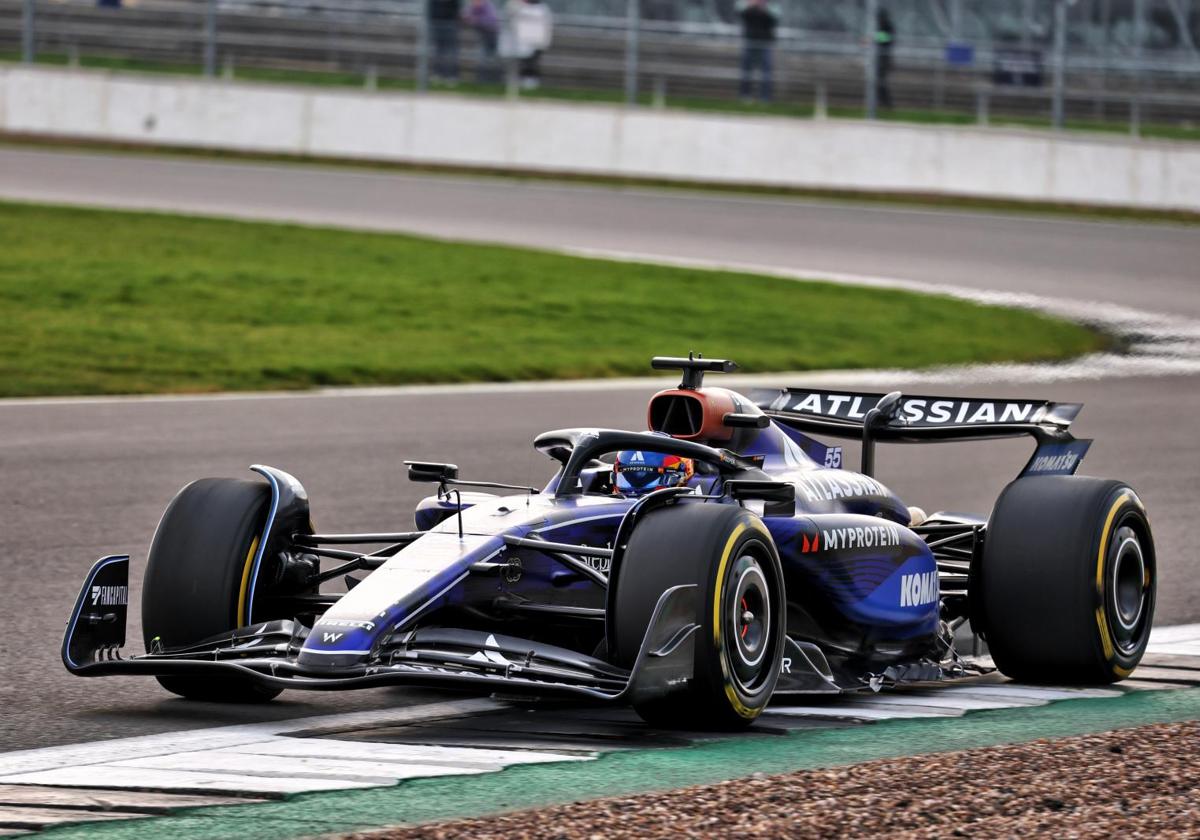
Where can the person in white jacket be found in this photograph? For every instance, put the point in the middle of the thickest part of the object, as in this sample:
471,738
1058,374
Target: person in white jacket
530,26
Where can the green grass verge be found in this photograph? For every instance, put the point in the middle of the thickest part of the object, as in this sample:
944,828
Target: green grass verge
637,771
793,109
100,301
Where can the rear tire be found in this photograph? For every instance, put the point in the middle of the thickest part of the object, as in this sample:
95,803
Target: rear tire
1067,580
727,552
197,578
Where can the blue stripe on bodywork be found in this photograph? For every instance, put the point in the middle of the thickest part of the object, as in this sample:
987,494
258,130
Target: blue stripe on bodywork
262,543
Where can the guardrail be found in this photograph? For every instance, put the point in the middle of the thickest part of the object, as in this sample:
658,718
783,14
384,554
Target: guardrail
386,42
473,132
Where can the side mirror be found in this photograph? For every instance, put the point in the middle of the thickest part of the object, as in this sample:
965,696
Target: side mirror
779,497
429,471
886,410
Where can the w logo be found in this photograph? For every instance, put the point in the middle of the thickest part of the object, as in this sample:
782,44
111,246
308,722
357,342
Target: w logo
330,638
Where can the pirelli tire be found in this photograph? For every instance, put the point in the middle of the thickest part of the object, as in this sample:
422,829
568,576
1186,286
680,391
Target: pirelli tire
198,575
727,552
1067,580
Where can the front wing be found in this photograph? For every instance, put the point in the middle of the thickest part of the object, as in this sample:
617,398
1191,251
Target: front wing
267,652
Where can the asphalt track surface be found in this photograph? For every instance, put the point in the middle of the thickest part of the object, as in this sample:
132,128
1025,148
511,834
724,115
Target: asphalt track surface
80,479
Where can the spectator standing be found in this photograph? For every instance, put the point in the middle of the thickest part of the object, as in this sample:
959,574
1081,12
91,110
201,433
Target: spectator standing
531,26
443,27
481,16
758,40
885,37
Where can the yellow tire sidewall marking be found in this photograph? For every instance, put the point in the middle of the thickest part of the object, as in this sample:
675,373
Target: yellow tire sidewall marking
722,567
736,702
1101,620
245,588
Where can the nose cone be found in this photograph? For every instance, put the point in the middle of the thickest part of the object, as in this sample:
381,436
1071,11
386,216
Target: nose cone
417,579
334,645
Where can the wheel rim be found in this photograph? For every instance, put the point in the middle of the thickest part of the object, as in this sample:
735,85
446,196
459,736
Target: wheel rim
748,620
1129,589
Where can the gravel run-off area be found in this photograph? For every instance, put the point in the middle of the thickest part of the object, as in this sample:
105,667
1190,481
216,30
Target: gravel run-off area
1140,782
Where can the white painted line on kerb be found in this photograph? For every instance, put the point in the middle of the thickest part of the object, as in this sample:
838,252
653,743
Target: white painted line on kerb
1180,640
947,701
266,758
261,758
1178,633
99,752
1025,695
155,779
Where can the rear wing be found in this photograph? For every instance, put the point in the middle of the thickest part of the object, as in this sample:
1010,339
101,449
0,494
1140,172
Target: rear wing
912,418
918,418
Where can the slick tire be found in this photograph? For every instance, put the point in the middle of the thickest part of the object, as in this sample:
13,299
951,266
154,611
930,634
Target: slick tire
1067,580
197,577
729,555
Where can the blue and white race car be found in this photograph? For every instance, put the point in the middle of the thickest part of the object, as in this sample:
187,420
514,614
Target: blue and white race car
694,570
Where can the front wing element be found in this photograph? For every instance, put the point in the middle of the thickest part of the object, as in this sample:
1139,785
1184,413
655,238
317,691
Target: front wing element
267,652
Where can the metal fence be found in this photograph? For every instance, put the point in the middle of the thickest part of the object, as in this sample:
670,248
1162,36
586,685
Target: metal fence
1105,62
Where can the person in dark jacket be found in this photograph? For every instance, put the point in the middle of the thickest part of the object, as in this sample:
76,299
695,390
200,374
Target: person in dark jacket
758,39
885,37
443,28
481,16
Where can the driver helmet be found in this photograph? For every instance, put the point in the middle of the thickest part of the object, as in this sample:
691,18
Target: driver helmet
637,471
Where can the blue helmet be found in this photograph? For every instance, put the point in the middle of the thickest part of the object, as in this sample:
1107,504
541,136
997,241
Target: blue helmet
636,471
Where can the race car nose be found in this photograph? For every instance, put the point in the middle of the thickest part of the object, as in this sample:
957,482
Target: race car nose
333,646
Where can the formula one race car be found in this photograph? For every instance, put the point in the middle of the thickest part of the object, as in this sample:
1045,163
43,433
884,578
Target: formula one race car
694,570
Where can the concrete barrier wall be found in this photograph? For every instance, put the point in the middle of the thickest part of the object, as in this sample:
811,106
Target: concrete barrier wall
601,139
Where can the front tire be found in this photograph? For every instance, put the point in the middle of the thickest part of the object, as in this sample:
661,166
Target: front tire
729,554
198,575
1067,580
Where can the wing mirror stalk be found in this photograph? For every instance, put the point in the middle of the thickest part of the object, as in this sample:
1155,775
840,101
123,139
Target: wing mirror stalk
884,412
